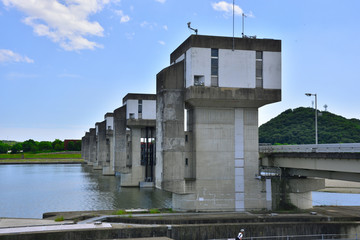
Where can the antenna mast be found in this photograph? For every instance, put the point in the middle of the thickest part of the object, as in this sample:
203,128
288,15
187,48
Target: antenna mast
233,25
195,30
243,23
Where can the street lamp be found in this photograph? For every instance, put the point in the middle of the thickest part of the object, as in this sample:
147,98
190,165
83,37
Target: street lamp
316,127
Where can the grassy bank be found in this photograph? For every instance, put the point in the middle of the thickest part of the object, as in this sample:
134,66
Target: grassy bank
38,158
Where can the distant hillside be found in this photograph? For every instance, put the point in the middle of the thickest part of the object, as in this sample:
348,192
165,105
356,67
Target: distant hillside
297,126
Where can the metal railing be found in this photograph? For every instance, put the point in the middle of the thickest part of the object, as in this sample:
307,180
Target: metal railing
303,237
320,148
309,237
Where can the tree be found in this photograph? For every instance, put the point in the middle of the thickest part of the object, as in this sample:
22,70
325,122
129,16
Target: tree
58,145
71,146
16,148
78,146
45,146
30,146
4,147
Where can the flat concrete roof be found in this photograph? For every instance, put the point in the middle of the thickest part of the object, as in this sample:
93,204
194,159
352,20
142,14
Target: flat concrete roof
203,41
139,96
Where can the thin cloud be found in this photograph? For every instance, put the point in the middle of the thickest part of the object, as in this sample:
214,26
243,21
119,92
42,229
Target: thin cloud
162,42
123,17
9,56
165,27
226,7
161,1
64,22
148,25
17,75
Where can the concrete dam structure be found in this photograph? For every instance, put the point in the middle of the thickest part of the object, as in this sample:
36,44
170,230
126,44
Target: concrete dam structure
197,137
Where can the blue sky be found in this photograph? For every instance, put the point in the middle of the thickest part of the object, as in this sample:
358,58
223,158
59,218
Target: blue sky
65,63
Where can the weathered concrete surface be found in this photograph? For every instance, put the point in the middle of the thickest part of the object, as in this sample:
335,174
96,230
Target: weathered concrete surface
170,136
226,43
92,146
120,136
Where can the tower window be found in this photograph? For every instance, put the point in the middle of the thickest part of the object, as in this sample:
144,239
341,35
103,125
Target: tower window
199,80
214,67
259,69
140,108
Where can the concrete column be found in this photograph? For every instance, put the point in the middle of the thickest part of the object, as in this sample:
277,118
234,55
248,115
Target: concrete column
137,173
255,196
120,141
100,146
92,147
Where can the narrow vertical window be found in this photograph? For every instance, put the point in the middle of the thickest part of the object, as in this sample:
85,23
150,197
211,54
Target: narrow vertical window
140,109
214,67
259,69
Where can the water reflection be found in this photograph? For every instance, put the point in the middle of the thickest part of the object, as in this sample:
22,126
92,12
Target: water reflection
30,190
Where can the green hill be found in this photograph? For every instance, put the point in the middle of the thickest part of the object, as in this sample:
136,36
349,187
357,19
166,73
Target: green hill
297,126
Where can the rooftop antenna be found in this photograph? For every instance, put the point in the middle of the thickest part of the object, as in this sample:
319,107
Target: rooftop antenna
195,30
243,23
233,47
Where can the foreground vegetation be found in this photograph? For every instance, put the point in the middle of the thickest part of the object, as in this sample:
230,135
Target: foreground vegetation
40,158
297,126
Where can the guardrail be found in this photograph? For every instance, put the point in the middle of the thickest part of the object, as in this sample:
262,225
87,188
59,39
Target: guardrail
307,237
323,148
310,237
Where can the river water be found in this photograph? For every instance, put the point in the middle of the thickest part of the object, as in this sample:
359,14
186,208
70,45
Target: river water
29,190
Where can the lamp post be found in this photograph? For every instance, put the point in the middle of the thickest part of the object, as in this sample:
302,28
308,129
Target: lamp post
316,127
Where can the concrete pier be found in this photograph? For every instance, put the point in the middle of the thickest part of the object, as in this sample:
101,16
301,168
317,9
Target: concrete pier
210,95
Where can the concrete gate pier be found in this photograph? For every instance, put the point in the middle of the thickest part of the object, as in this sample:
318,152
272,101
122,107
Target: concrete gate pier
207,121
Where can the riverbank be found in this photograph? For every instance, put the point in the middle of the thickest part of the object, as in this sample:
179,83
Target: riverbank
42,161
43,158
214,225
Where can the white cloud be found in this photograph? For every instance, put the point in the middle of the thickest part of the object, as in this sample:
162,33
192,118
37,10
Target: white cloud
9,56
148,25
124,18
161,42
226,7
130,36
165,27
161,1
64,22
17,75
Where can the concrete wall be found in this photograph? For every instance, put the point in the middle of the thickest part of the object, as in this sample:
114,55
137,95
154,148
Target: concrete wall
272,70
120,143
136,174
170,136
92,146
101,148
236,68
148,108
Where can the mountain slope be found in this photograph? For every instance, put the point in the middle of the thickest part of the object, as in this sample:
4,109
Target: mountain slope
297,126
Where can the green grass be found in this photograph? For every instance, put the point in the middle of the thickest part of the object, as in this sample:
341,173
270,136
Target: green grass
59,219
154,210
120,212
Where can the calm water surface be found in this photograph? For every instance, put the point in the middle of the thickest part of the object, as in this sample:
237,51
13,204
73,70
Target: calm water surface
29,190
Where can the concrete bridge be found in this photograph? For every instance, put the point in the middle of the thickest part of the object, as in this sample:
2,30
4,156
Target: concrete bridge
294,162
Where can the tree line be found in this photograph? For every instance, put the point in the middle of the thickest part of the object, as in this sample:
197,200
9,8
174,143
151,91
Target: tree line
32,146
297,126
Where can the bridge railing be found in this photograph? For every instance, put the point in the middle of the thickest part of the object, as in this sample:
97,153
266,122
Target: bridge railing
321,148
301,237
